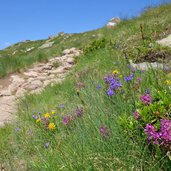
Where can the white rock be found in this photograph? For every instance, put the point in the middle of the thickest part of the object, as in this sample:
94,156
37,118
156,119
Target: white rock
70,60
31,74
34,85
166,41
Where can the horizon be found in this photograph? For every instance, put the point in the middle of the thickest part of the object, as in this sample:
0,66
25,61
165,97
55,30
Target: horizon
36,20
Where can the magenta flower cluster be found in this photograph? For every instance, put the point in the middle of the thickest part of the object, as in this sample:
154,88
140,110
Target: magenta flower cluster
105,132
163,136
146,99
78,113
114,84
136,115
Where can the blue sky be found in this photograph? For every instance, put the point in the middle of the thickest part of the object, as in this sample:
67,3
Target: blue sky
37,19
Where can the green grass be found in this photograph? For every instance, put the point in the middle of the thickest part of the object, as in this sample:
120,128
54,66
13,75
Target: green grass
79,145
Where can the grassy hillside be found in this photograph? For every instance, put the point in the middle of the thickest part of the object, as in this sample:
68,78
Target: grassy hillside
105,115
155,25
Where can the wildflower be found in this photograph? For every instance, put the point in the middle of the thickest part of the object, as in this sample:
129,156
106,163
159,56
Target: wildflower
136,115
168,82
66,120
147,91
114,84
79,112
99,86
104,132
139,79
51,126
128,78
61,106
39,113
34,117
38,120
16,130
151,133
53,112
162,136
110,92
46,145
146,99
47,115
115,72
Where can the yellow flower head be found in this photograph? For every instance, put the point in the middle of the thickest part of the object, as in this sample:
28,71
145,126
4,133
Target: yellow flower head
53,112
115,72
47,115
168,82
51,126
38,120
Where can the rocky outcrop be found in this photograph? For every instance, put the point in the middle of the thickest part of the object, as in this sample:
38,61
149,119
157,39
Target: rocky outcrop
34,80
113,22
166,41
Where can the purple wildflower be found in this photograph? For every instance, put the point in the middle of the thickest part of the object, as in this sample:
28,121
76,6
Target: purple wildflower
151,133
165,128
146,99
114,84
110,92
79,112
104,132
139,79
34,117
147,91
66,120
61,106
99,86
136,115
16,130
162,136
128,78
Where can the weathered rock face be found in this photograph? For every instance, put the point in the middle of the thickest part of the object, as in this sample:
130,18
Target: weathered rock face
113,22
33,81
166,41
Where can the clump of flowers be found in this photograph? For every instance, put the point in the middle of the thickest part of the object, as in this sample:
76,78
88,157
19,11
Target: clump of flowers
129,77
114,84
162,136
153,117
146,99
78,113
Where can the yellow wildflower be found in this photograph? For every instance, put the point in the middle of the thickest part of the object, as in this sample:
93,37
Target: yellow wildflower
115,72
168,82
47,115
38,120
53,112
51,126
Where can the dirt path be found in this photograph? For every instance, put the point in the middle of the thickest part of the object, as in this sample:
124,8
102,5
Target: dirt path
34,80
